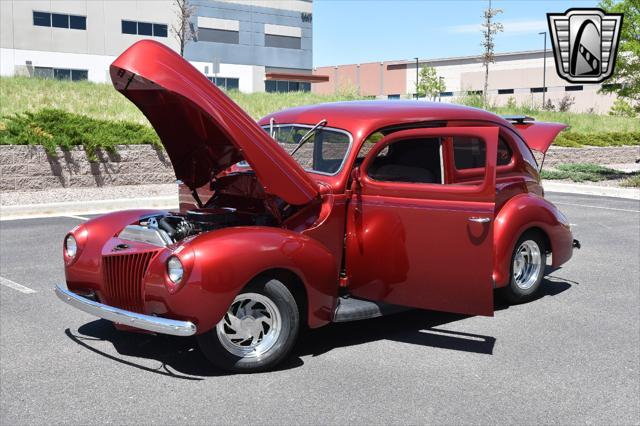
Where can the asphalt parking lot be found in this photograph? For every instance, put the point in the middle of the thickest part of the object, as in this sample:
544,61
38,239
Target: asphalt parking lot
572,356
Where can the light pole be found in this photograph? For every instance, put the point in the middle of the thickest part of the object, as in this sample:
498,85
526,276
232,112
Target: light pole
417,79
544,70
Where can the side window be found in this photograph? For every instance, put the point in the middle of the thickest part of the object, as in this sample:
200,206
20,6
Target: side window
412,160
470,153
504,153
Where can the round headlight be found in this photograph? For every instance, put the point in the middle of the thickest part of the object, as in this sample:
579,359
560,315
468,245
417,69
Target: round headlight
70,246
175,269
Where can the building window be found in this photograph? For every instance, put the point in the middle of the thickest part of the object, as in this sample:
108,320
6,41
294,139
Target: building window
474,92
539,89
286,42
225,83
218,36
59,20
446,94
505,91
61,73
129,27
573,88
393,96
283,86
144,28
77,22
159,30
41,19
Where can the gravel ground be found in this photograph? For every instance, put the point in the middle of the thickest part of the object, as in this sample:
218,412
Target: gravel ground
15,198
570,357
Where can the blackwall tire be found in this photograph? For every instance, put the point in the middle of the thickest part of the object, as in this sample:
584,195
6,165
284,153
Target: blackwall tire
528,264
258,331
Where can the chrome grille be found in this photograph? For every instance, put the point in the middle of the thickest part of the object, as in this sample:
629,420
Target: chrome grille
123,275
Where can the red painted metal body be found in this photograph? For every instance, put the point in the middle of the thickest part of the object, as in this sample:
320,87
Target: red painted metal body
404,243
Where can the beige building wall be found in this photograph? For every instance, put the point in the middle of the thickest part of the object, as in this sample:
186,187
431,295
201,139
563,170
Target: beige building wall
24,45
517,71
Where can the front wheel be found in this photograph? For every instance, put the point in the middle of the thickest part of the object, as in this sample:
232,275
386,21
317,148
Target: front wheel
257,332
528,263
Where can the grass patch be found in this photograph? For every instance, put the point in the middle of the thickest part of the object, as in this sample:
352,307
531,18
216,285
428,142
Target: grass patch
579,123
102,101
582,172
632,182
53,128
576,140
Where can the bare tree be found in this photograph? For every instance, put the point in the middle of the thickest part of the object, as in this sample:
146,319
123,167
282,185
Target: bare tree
489,30
183,30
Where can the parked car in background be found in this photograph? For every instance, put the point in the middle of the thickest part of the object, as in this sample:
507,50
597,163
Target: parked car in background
315,214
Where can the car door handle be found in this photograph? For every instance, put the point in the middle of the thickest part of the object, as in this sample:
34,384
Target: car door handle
480,219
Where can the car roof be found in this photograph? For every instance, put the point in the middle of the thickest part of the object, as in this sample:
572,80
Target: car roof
363,117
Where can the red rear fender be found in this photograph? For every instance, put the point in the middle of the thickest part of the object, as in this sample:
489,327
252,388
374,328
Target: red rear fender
519,214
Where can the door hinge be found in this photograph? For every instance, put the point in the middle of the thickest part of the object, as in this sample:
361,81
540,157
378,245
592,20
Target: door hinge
343,281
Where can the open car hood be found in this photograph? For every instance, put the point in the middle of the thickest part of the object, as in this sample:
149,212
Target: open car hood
203,131
539,135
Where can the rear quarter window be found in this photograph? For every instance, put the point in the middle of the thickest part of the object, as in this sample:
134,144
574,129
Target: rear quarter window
470,153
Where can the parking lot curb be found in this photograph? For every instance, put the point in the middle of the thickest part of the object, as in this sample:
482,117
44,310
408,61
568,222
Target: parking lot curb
31,211
603,191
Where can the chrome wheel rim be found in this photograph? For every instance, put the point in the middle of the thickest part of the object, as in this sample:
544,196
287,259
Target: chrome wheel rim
251,326
527,263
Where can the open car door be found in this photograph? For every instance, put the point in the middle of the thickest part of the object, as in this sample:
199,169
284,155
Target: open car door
412,238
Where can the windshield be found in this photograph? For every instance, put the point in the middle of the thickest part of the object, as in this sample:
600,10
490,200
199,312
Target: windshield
324,151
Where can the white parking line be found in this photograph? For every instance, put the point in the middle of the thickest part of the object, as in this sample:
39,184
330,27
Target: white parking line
77,217
597,207
16,286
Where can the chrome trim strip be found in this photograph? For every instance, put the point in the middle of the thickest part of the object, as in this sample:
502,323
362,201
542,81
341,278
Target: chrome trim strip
120,316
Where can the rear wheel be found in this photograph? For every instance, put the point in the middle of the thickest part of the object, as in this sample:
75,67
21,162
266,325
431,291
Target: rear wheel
528,263
257,332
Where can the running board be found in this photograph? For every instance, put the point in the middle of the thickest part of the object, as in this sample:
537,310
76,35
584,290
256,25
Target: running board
351,309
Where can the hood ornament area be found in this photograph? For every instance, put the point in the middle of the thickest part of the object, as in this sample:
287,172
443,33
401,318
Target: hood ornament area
585,43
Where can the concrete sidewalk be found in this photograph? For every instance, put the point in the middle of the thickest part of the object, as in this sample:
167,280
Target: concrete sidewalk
82,201
85,201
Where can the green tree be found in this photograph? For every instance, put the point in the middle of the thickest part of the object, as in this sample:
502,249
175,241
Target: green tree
626,78
429,84
489,29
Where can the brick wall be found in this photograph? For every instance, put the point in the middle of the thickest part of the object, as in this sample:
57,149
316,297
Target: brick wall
596,155
30,168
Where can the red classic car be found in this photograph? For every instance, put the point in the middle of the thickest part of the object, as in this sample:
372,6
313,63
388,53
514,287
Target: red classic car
315,214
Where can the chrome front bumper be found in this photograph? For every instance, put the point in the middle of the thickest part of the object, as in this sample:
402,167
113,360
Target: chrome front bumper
120,316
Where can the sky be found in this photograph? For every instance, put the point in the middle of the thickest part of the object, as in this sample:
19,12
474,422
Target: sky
359,31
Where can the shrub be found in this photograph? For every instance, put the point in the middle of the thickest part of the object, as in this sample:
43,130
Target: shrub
471,99
622,108
53,128
633,182
581,172
574,140
565,103
549,106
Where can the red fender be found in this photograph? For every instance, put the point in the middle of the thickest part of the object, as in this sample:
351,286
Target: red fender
85,271
219,264
522,212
